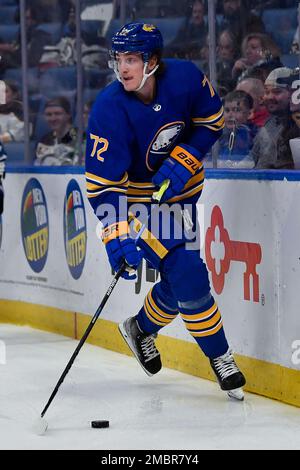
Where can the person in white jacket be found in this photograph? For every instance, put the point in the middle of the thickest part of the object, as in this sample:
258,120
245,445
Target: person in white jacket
11,115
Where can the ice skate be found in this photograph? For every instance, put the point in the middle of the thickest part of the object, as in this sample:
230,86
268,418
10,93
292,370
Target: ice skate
142,346
230,378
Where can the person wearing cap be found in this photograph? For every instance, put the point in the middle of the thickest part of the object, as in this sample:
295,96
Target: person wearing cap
278,90
59,146
152,126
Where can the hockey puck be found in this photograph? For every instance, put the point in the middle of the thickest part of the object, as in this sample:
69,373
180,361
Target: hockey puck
100,424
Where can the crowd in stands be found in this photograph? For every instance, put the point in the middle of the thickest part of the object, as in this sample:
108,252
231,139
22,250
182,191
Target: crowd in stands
256,66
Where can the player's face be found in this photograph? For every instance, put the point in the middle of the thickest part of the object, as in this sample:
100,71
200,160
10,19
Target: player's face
130,67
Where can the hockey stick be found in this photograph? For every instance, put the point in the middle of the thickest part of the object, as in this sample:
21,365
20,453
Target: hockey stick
41,425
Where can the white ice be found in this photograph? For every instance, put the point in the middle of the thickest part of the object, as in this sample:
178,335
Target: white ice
169,411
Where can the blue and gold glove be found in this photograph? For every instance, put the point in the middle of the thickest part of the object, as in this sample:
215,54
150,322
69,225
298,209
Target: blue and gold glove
179,167
119,247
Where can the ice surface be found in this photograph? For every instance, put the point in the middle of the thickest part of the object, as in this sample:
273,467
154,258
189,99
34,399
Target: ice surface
168,411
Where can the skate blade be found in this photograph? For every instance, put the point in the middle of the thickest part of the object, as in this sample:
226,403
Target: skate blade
237,394
127,339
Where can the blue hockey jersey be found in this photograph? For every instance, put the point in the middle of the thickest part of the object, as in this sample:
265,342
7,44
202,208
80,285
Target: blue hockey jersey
128,140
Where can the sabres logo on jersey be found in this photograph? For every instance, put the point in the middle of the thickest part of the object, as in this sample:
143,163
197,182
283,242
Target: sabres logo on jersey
149,28
162,143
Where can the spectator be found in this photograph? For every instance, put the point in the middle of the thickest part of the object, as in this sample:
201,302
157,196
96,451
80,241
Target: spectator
255,48
191,36
277,100
290,131
255,88
262,69
11,115
204,57
64,53
239,19
227,53
49,11
58,147
295,112
237,138
37,39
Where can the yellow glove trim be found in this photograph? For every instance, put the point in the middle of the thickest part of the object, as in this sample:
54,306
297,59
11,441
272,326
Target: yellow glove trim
115,230
186,159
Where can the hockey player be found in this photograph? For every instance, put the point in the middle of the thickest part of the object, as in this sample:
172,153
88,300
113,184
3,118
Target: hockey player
3,157
156,123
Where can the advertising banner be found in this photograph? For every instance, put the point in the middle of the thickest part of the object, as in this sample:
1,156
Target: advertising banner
50,254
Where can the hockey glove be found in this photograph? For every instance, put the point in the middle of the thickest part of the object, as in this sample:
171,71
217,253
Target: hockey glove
179,167
119,247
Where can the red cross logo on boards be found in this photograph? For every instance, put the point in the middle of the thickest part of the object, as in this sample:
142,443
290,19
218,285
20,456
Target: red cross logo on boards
220,251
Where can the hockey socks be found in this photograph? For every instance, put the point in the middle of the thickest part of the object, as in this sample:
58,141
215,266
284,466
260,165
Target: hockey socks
155,314
205,325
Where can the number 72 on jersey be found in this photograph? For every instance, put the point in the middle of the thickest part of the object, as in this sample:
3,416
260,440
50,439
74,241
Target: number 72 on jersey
100,146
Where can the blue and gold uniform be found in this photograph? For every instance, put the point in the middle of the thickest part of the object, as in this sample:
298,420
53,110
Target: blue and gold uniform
127,142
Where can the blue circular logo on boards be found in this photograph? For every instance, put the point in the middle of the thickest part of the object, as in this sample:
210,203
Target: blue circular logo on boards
35,225
75,232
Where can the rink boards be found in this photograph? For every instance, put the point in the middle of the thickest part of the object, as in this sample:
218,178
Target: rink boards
54,271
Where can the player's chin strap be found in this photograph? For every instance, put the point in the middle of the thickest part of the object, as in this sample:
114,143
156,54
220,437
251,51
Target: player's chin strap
145,75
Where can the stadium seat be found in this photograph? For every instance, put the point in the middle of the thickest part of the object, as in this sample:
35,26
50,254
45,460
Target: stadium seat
57,80
90,30
169,27
8,32
8,14
95,78
284,40
53,29
280,19
113,27
9,2
16,153
32,78
90,94
41,127
290,60
281,24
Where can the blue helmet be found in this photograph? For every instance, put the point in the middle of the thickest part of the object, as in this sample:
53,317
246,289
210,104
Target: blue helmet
138,37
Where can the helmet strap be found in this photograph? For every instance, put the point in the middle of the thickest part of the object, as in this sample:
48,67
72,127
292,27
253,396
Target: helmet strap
146,75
